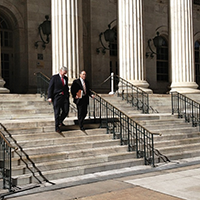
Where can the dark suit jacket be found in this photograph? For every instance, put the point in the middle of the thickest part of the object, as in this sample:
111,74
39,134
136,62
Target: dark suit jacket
76,86
56,87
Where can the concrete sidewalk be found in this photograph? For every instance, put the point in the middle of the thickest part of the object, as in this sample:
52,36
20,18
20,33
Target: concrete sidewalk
168,184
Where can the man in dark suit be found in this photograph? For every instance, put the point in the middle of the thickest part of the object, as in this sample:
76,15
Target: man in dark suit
81,103
58,94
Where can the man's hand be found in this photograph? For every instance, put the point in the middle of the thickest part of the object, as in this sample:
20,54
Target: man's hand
49,100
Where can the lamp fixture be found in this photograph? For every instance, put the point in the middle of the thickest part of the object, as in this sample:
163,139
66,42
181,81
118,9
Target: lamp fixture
110,35
44,30
157,42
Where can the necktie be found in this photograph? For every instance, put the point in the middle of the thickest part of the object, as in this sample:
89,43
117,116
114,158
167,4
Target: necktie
84,87
63,83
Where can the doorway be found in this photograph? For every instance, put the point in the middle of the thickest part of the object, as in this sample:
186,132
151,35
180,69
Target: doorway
6,52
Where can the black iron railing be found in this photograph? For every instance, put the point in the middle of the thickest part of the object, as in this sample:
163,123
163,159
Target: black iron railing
132,94
6,161
186,108
42,84
24,157
126,129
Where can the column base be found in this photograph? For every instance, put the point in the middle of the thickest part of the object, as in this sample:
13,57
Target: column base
3,90
143,85
185,88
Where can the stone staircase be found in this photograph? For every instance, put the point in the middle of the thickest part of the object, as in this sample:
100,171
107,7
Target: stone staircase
30,121
178,141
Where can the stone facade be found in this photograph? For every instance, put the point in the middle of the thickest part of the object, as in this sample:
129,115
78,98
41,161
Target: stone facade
93,18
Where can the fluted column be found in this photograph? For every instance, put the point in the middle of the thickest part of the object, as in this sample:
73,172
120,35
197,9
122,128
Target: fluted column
182,46
65,37
130,39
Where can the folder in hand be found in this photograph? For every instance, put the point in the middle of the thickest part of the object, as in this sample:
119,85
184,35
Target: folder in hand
79,94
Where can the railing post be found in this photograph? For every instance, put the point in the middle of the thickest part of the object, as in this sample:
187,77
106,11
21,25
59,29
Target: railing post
178,106
120,121
143,132
3,169
172,101
113,126
129,149
193,122
199,117
147,104
185,109
136,139
107,117
10,170
152,150
112,84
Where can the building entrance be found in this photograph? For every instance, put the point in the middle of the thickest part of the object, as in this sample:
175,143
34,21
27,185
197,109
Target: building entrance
6,52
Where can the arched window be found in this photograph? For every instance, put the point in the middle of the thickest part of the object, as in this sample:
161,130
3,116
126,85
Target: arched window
197,61
6,33
162,62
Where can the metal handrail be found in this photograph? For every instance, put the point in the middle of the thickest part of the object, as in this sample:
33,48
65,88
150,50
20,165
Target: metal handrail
132,94
130,132
6,161
42,84
186,108
24,157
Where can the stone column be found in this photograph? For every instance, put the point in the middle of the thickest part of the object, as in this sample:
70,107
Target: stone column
182,47
65,37
130,40
2,82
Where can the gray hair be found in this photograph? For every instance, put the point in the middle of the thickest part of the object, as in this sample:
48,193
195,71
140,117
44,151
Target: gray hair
64,68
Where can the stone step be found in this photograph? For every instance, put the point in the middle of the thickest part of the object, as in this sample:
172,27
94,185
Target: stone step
171,131
183,155
21,97
170,120
22,124
167,126
26,112
176,136
153,116
74,152
54,140
75,171
43,157
185,141
25,116
70,163
194,97
179,149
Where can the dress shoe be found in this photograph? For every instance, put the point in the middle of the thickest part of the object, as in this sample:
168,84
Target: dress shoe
63,125
82,129
58,131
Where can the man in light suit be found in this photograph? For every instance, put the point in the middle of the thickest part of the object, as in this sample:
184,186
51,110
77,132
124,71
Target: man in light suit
58,94
81,103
